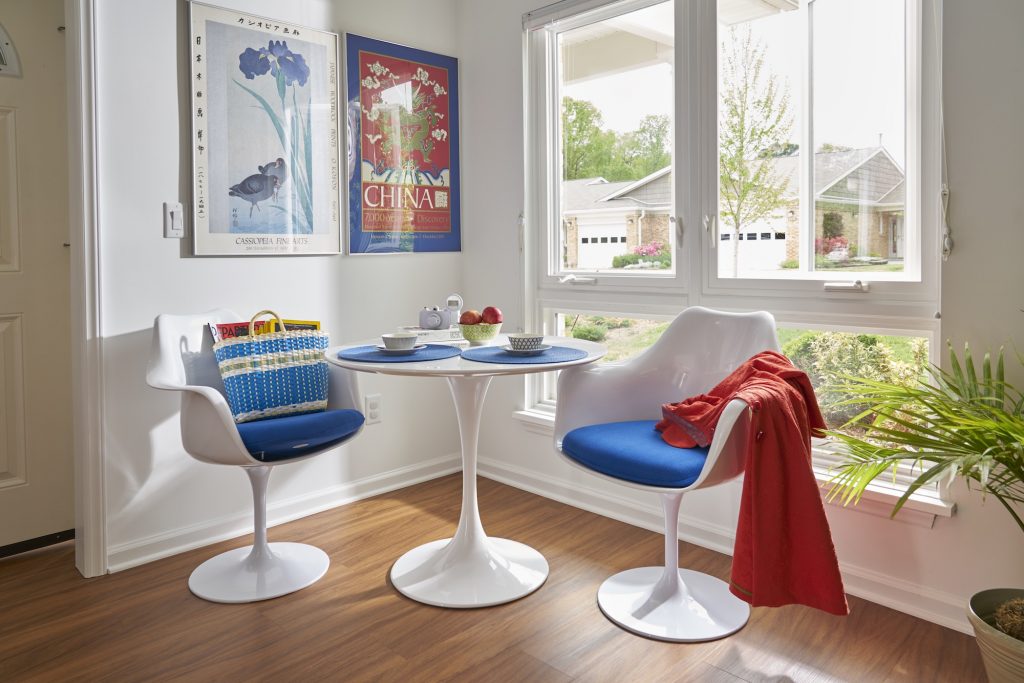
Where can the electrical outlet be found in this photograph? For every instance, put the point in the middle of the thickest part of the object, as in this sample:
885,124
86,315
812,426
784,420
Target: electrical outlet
373,408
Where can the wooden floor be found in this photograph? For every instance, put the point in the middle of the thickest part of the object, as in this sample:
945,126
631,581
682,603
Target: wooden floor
144,625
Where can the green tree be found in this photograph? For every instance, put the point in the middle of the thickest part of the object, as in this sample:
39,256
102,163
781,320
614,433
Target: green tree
787,149
589,151
754,118
586,148
647,148
829,148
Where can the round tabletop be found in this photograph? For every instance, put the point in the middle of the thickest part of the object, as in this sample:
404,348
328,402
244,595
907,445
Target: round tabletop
457,366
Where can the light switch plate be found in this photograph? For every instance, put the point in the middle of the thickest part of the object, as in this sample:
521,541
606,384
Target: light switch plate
174,220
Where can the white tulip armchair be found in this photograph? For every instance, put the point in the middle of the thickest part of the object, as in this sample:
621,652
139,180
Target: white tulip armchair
604,425
182,360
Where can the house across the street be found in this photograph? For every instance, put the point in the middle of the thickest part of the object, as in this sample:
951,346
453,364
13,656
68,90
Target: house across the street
858,196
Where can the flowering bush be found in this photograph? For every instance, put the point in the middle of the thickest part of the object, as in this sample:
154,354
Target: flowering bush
830,244
651,255
654,248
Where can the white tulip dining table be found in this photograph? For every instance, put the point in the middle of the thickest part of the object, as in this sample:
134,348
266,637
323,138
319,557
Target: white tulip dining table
470,569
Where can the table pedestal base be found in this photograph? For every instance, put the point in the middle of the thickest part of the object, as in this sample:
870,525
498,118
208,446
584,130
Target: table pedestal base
493,572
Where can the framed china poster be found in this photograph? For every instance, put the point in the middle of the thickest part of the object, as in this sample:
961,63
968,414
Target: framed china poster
403,148
265,142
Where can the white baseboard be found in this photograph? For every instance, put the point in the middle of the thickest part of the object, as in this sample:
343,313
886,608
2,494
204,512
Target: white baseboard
174,541
931,605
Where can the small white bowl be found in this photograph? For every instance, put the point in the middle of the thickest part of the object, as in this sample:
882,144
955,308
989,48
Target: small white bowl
525,341
399,341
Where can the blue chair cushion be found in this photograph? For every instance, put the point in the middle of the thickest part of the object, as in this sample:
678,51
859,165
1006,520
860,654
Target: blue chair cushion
292,436
634,451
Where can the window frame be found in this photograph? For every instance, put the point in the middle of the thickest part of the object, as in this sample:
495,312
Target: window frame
543,111
888,307
695,204
914,295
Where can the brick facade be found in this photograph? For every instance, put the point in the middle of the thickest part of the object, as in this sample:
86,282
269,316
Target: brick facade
572,242
656,228
877,228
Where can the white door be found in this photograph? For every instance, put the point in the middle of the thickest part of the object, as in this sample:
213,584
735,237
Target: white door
896,237
36,467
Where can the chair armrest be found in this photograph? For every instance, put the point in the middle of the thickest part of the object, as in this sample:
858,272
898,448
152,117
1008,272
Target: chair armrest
343,388
208,430
728,451
594,394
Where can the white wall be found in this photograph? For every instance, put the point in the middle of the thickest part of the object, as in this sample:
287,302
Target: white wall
159,499
929,572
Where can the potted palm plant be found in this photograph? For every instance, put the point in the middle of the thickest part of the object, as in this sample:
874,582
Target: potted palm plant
956,423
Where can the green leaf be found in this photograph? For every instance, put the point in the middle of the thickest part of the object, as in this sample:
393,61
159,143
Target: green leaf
959,422
970,377
274,118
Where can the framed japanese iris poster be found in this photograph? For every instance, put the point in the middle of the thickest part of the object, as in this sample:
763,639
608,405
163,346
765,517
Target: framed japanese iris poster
265,142
403,151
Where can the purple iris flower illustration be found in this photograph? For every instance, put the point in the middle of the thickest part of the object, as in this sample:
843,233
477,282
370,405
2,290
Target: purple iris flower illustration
291,64
277,59
253,63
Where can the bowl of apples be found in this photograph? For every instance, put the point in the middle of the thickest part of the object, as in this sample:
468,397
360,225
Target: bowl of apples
480,327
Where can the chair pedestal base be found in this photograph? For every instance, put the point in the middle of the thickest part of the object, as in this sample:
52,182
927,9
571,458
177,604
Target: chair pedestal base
243,576
695,608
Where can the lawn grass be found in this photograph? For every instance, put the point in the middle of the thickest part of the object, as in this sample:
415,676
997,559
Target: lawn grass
626,342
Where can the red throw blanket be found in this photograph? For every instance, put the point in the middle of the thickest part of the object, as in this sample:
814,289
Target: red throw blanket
783,553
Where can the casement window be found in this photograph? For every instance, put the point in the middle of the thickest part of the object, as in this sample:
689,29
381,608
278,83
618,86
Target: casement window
781,155
797,127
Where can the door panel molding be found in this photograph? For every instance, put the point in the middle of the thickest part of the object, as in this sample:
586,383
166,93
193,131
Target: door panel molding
13,470
10,229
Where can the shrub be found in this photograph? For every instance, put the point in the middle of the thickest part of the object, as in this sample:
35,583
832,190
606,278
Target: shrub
832,224
623,260
662,259
799,351
830,358
594,333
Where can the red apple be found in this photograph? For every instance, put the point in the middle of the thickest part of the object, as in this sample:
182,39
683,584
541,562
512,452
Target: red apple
470,317
492,315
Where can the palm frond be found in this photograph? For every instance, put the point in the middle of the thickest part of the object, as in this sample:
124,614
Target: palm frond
960,422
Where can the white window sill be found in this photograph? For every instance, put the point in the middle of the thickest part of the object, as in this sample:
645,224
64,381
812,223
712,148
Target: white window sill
878,500
537,420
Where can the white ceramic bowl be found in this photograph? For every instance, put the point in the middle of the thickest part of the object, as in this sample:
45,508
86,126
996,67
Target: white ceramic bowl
399,341
525,341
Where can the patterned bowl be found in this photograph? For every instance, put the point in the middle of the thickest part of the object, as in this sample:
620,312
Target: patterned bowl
479,334
525,341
